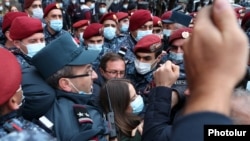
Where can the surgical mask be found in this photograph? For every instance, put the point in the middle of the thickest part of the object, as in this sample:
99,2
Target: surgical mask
103,10
115,1
109,32
7,3
1,8
37,13
74,1
124,28
142,68
34,48
97,47
137,105
56,25
125,6
167,32
141,34
80,92
60,5
176,57
81,36
92,6
22,101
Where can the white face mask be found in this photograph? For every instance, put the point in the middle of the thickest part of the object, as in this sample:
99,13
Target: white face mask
1,8
37,13
124,28
92,6
103,10
97,47
141,33
34,48
125,6
74,1
81,36
142,68
175,57
7,3
109,32
166,32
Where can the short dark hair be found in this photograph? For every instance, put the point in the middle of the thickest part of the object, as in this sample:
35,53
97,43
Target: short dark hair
109,56
54,79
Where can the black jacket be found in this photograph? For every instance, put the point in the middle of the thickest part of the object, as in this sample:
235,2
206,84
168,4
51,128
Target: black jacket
76,119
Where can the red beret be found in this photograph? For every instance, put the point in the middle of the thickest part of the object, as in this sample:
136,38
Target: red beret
50,7
121,15
94,29
20,29
181,33
157,21
245,18
81,23
139,18
148,43
8,19
109,16
10,74
166,16
27,3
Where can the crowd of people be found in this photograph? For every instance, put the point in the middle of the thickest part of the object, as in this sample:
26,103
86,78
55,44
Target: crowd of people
70,73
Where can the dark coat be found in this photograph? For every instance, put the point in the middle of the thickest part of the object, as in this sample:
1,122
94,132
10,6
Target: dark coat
67,124
157,120
39,96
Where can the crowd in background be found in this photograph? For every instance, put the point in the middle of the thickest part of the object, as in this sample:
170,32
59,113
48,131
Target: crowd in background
111,70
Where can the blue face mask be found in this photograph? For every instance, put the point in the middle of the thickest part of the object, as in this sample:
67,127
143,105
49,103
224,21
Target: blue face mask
34,48
166,32
141,34
80,92
103,10
97,47
137,105
81,37
124,28
109,33
56,25
175,57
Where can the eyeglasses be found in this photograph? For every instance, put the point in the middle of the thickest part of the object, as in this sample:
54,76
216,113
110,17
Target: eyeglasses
116,72
89,73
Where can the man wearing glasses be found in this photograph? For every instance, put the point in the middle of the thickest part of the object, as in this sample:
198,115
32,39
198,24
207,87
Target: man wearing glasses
67,68
112,65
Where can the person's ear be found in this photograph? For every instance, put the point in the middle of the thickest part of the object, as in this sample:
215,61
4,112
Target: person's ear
101,71
46,20
64,84
13,103
7,35
17,43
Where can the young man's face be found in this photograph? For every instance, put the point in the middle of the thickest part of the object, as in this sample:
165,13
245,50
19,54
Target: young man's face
34,5
33,39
